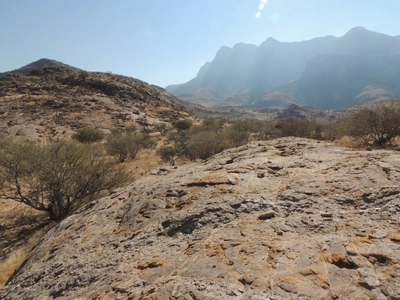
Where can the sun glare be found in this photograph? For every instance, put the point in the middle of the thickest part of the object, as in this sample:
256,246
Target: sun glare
260,8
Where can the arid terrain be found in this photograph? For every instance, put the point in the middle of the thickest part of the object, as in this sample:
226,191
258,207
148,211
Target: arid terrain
283,218
51,102
288,218
48,101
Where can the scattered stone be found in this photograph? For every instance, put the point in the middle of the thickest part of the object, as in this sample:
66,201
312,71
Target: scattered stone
326,215
267,215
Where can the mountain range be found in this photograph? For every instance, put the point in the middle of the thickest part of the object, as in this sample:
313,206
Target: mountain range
325,72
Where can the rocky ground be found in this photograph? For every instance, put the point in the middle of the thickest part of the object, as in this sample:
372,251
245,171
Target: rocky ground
283,219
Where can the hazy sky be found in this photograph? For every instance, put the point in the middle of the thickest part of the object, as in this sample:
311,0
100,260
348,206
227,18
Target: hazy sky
166,41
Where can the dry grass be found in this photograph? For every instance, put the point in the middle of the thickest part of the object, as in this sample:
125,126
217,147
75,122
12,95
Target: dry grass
21,228
348,142
16,257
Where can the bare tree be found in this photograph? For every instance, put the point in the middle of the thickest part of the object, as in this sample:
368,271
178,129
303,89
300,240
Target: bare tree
376,122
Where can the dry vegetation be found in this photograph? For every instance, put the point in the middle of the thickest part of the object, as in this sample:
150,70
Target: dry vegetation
21,228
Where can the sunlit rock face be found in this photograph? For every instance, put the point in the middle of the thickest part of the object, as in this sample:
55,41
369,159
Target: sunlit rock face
283,219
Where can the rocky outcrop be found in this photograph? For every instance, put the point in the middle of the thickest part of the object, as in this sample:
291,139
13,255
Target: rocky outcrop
283,219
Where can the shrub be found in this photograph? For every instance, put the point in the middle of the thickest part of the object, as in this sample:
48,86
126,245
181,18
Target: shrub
268,131
243,125
161,128
180,139
83,75
182,124
88,135
294,127
168,153
376,122
127,144
56,178
204,144
236,137
213,124
325,130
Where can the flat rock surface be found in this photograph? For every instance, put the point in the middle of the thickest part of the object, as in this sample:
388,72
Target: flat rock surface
284,219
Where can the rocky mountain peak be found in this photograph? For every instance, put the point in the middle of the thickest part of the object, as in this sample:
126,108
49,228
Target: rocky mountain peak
41,63
357,30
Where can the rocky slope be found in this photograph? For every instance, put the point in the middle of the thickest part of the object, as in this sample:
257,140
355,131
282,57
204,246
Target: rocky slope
284,219
48,100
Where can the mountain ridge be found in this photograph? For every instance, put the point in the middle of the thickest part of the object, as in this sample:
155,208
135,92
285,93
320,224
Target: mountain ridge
275,65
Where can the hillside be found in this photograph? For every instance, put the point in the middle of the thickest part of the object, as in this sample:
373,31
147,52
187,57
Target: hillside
48,100
284,219
325,72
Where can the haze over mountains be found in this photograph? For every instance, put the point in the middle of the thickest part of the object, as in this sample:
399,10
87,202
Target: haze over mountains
325,72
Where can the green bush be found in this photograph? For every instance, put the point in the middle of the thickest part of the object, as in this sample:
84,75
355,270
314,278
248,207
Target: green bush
56,178
88,135
161,128
168,153
182,124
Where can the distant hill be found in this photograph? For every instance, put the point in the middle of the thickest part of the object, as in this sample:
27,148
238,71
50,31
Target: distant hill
325,72
43,62
49,100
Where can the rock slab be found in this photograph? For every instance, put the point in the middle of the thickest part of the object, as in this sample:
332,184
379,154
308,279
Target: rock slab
322,222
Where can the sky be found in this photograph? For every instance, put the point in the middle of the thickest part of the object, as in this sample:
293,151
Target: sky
166,42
